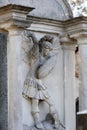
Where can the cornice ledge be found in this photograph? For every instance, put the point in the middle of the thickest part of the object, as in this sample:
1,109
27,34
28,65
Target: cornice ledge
15,7
14,23
40,20
14,15
46,25
76,20
76,26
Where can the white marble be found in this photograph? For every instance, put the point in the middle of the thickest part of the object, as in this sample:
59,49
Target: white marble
69,81
82,42
78,30
14,73
54,85
83,77
60,82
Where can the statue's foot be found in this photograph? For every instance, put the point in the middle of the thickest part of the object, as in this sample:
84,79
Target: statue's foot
39,125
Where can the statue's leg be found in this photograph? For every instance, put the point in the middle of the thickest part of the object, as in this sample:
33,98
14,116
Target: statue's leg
35,113
53,112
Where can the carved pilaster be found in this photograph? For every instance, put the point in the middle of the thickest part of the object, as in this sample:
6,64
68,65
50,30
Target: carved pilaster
13,19
14,79
68,45
82,42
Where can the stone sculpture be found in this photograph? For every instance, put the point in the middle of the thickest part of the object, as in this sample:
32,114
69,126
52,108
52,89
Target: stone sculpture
41,55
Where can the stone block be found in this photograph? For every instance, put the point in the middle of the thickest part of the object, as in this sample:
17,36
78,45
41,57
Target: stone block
82,122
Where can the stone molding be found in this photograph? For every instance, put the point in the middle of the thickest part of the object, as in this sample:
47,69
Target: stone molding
68,8
76,26
45,25
72,27
14,15
14,7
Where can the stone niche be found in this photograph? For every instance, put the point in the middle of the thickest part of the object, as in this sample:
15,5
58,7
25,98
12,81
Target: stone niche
3,82
53,83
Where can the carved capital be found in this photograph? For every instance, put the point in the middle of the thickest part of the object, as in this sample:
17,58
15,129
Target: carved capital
67,42
15,31
81,38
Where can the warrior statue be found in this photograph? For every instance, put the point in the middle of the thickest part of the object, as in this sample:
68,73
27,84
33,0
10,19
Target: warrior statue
42,59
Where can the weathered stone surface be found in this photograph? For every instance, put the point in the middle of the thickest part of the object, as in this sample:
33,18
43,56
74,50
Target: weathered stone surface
58,87
3,82
47,126
49,9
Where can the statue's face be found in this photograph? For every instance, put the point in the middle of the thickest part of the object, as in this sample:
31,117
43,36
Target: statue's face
47,49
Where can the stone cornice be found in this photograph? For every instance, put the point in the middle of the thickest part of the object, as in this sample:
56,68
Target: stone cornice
76,26
8,23
71,27
15,8
14,15
46,25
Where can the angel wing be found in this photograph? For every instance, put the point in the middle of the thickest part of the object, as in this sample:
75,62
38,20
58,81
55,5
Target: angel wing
26,46
30,46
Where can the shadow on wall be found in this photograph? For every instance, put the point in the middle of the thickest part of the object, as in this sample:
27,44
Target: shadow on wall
3,82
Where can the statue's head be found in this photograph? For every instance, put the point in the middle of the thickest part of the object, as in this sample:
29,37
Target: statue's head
46,44
48,38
